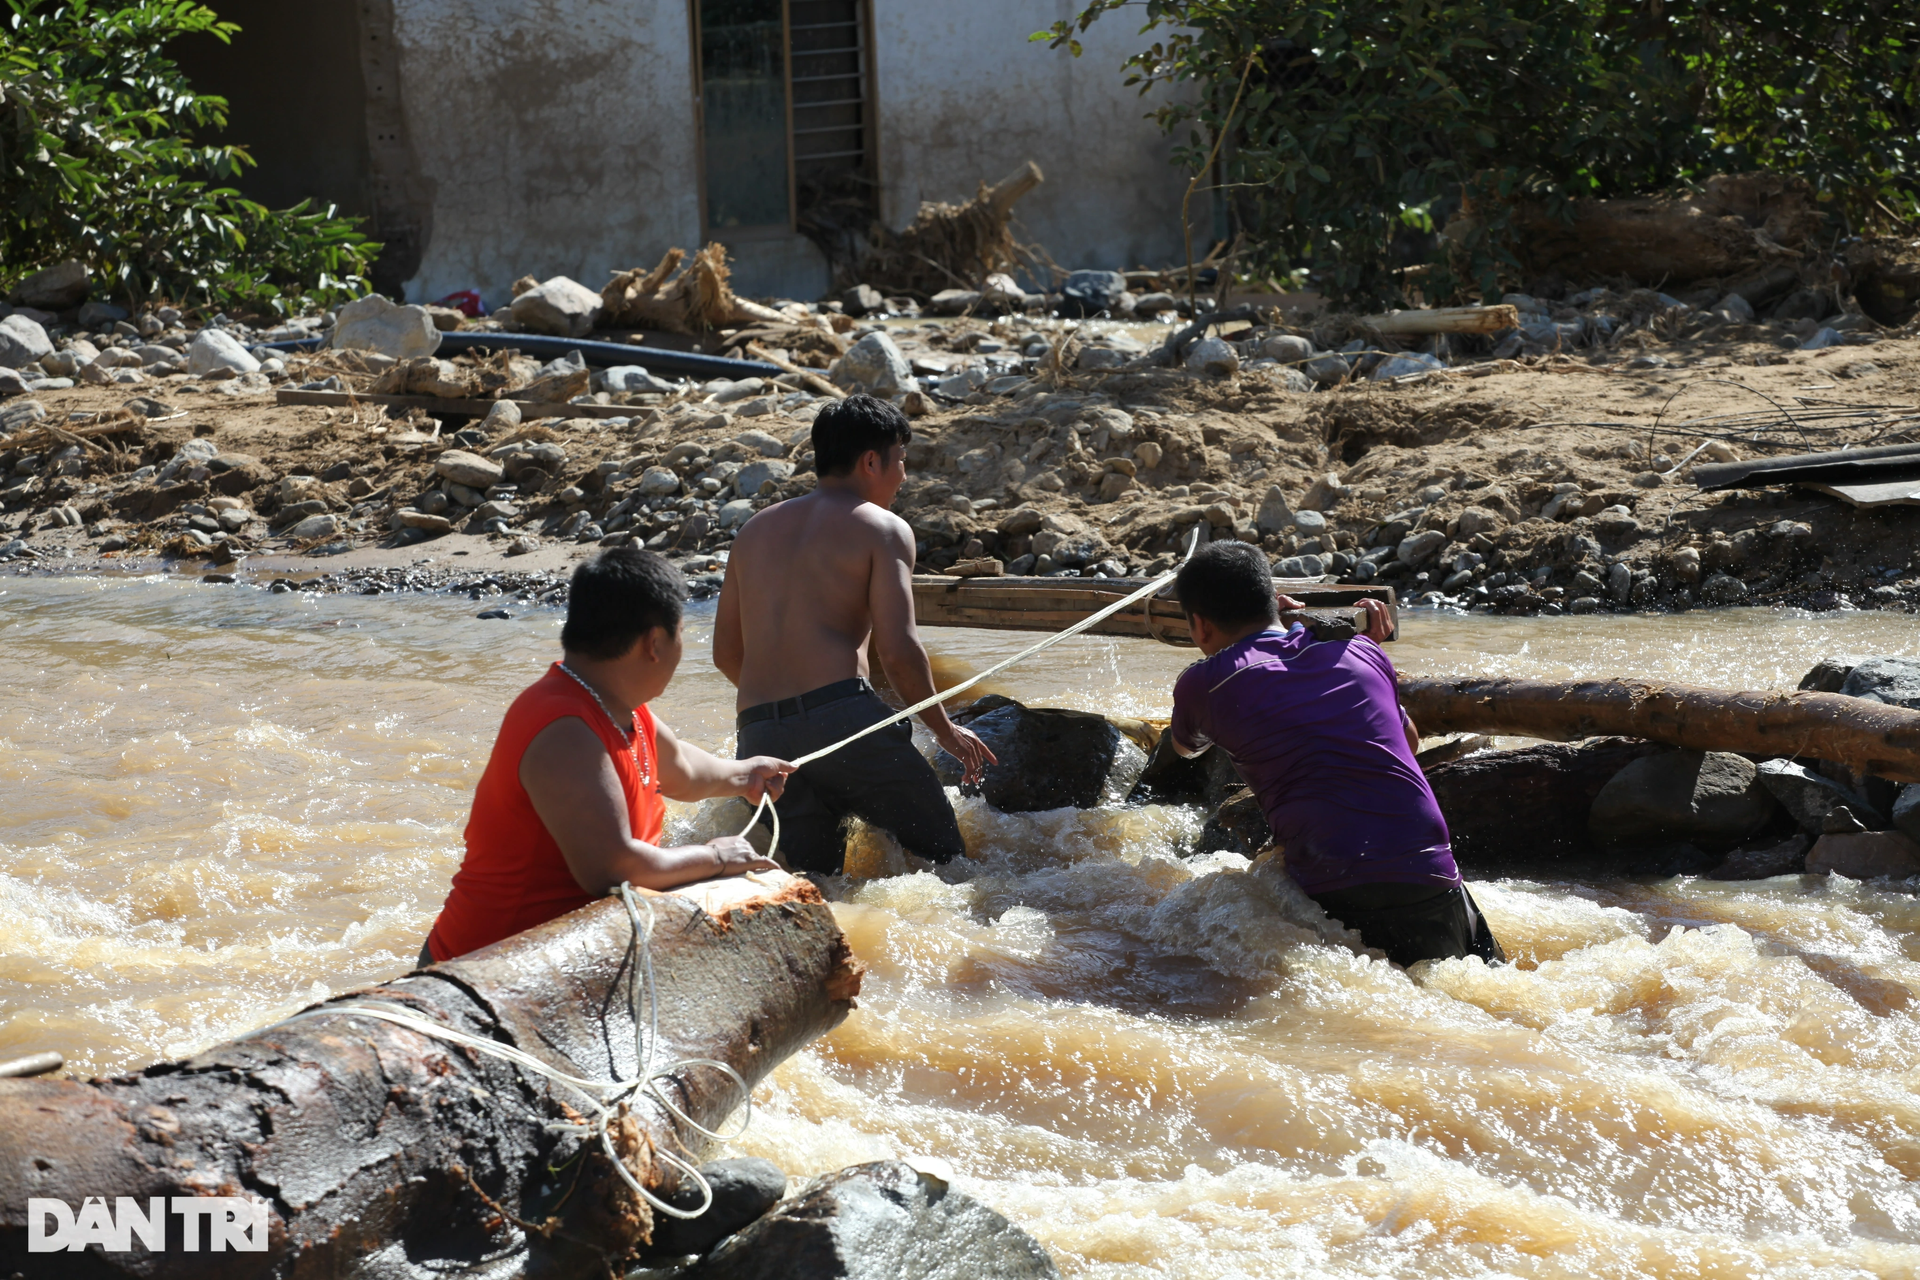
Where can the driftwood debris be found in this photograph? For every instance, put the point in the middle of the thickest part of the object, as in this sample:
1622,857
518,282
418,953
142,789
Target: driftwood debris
1443,320
949,246
695,300
380,1151
1870,737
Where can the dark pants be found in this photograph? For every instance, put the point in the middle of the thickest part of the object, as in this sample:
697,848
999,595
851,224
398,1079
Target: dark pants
880,778
1414,922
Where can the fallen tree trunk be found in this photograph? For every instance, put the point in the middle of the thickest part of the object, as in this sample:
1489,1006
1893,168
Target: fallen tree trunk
377,1150
1734,226
1870,737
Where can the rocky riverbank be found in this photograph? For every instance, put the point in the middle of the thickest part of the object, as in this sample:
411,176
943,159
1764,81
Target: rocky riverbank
1553,477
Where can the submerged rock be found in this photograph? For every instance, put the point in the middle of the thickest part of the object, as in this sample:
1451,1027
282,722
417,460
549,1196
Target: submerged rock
1710,799
880,1221
1048,759
1811,798
1866,855
1895,681
743,1190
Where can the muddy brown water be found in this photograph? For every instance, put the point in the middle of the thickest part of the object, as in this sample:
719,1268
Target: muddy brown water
221,805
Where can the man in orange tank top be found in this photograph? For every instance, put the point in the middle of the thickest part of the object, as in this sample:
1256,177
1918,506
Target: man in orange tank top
570,804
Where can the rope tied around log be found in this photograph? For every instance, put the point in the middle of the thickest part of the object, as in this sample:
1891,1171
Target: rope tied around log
606,1101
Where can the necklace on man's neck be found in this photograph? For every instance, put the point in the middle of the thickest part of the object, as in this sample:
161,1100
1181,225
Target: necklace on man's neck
630,733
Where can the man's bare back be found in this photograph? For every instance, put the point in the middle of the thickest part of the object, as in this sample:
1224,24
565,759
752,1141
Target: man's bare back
800,591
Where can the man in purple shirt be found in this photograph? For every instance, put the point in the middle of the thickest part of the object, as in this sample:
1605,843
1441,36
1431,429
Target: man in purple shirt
1315,727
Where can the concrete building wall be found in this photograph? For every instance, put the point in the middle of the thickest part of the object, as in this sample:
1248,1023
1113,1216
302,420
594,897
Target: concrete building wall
555,137
560,137
963,95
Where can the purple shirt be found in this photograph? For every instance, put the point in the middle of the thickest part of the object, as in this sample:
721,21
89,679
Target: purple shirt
1315,729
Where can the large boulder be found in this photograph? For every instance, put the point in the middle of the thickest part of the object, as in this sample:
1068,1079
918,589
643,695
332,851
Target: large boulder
375,324
1867,855
562,307
1047,759
874,365
880,1221
1213,358
1086,293
748,480
55,288
1812,798
1895,681
1906,811
1710,799
215,349
1239,825
22,342
742,1191
1208,779
469,469
1522,809
1274,514
558,381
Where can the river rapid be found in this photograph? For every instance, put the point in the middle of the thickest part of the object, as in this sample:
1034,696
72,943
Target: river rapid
222,805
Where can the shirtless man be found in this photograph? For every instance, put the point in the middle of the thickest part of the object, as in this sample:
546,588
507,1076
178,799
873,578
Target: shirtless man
808,581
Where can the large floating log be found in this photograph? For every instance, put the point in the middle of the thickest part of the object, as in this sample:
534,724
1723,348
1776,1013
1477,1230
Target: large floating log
380,1151
1053,604
1870,737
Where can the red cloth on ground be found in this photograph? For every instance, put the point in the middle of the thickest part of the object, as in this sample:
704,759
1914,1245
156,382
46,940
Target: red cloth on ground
514,875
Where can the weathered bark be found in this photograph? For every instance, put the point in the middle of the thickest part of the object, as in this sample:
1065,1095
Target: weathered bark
383,1152
1870,737
1528,808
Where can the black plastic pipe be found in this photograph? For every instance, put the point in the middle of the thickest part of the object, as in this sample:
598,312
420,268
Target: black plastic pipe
601,355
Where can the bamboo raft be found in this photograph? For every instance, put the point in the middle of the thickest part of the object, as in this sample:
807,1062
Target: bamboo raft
1053,604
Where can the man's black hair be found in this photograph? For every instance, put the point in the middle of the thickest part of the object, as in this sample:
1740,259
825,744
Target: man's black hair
618,596
848,428
1228,584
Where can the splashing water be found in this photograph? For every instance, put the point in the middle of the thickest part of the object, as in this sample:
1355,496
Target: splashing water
223,805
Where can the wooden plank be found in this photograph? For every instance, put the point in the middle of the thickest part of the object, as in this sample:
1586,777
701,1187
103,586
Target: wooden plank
529,409
1053,604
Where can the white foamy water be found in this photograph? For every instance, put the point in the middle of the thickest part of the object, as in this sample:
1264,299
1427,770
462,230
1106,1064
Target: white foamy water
222,805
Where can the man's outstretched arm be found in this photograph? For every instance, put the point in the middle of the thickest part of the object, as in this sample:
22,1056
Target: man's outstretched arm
578,796
896,642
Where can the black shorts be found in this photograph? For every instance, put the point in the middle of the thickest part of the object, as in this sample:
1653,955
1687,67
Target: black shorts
1414,922
880,779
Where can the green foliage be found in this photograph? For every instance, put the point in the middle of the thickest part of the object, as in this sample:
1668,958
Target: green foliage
98,161
1360,117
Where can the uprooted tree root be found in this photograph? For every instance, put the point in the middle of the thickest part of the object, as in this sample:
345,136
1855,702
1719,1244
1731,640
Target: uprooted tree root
696,300
949,246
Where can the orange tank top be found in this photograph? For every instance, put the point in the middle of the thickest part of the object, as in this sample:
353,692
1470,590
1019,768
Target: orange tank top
514,875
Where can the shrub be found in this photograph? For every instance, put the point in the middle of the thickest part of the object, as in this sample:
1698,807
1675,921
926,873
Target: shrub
1357,118
98,161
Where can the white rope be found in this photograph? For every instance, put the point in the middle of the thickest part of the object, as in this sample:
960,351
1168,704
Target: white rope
942,695
601,1097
